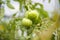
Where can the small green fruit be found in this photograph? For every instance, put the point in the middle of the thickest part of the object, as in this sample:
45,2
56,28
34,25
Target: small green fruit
33,15
26,22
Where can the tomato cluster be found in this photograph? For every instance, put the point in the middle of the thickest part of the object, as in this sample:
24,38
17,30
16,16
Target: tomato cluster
30,16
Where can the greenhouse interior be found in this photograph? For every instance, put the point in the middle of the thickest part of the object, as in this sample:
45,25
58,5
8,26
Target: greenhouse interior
29,19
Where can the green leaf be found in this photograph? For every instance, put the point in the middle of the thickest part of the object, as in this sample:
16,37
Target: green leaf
14,14
15,0
59,1
10,6
41,6
20,3
8,0
49,1
1,12
43,13
1,2
20,6
26,7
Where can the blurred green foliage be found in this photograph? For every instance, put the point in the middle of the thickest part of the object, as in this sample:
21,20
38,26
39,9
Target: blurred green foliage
9,28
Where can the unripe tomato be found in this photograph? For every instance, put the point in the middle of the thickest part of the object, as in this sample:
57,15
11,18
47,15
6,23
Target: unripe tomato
33,14
26,22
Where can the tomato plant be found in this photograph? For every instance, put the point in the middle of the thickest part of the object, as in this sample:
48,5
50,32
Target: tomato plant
34,25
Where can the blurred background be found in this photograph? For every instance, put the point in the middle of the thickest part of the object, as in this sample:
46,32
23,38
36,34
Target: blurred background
6,13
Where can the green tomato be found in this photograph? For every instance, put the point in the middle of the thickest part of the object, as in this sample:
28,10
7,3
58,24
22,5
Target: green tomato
33,15
26,22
